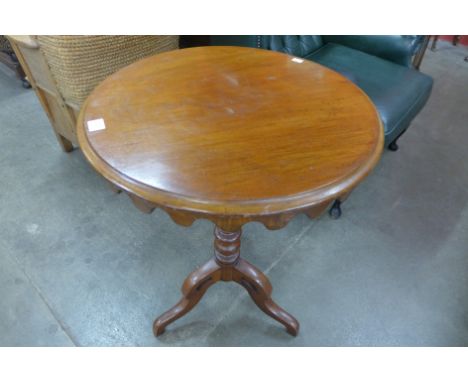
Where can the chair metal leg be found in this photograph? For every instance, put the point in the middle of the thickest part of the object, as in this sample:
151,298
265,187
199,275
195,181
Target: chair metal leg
420,55
335,210
393,146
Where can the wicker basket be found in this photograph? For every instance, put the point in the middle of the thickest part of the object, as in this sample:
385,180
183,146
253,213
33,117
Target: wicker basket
79,63
63,70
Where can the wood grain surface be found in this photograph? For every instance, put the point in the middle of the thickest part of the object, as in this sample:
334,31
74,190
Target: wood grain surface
231,131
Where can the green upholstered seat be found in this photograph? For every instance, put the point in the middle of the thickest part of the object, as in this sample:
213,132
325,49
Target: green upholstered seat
398,92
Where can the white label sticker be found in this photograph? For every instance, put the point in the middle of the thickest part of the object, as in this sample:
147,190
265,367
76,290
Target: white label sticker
96,125
298,60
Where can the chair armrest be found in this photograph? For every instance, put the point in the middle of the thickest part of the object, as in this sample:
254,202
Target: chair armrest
398,49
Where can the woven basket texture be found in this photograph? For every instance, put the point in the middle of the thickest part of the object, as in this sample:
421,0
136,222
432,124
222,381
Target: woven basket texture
79,63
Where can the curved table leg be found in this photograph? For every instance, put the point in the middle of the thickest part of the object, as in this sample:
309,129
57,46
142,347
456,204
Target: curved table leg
193,289
259,288
227,265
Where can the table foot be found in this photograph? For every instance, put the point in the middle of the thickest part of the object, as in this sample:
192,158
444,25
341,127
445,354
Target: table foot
193,289
259,288
227,265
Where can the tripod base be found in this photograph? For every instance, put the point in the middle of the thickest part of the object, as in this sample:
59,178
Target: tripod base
227,265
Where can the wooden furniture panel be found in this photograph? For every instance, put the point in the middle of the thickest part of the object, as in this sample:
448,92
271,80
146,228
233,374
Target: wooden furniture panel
36,68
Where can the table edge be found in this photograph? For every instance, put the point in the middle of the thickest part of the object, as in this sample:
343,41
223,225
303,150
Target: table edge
255,207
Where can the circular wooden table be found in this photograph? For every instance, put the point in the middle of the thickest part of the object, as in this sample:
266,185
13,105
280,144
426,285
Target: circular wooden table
233,135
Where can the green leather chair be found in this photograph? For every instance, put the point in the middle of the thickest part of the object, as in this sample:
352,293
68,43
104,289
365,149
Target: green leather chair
379,65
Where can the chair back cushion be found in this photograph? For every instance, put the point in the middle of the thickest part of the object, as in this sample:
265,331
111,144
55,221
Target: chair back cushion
300,46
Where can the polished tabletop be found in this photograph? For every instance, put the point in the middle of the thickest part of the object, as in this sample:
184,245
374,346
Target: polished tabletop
230,130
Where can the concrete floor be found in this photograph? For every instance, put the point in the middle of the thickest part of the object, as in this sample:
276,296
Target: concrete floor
80,266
